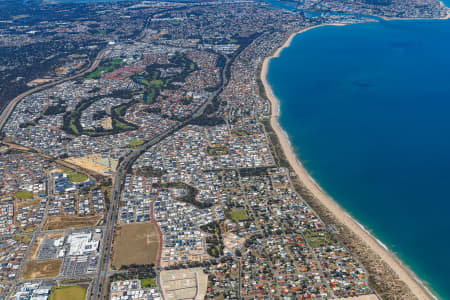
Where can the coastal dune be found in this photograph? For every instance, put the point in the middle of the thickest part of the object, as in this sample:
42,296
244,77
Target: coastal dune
402,271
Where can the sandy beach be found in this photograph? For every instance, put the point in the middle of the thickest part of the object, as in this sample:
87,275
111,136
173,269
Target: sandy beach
399,268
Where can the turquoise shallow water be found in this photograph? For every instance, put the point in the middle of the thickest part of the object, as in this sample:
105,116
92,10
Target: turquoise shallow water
367,109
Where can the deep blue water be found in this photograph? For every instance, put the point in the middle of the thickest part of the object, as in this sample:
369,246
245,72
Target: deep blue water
84,1
368,110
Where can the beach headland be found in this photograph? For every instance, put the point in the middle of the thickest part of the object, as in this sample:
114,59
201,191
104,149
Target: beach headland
447,17
399,274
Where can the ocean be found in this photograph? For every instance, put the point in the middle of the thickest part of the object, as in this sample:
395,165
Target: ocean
367,109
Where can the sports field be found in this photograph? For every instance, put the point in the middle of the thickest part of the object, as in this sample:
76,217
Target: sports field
73,292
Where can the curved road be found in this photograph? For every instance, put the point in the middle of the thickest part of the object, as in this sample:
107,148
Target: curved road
99,288
100,283
11,105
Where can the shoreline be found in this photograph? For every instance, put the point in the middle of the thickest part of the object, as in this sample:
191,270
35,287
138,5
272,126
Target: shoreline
447,17
405,274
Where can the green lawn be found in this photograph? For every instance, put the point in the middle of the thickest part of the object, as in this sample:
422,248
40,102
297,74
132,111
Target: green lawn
240,133
217,150
120,111
319,238
136,143
238,215
108,67
150,96
74,292
122,126
191,67
73,127
155,83
95,74
75,176
148,283
24,195
117,61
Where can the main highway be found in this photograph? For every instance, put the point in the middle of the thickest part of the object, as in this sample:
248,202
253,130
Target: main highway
127,161
98,292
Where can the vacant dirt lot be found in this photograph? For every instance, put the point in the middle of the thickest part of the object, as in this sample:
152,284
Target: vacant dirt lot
35,248
135,244
184,284
41,269
23,203
56,222
95,162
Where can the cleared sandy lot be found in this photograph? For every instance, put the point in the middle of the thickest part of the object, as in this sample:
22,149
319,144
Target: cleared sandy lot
57,222
184,284
136,244
42,269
